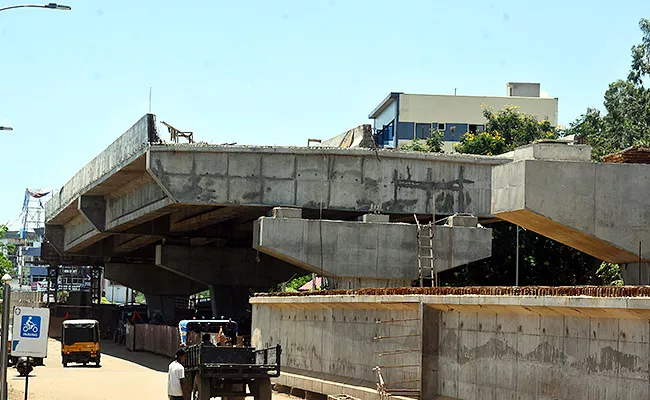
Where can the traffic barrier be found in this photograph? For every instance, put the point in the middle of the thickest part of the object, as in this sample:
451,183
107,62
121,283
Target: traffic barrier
157,339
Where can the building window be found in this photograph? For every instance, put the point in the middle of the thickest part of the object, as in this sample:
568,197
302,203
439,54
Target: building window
441,126
476,128
422,131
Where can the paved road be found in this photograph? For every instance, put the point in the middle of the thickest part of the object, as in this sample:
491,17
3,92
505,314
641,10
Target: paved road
123,375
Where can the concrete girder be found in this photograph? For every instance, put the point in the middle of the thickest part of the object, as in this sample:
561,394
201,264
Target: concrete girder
372,253
144,203
150,279
127,243
80,233
223,266
208,218
595,208
93,208
343,180
54,235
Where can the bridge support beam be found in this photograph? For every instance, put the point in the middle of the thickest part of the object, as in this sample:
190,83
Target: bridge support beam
223,266
150,279
93,208
367,254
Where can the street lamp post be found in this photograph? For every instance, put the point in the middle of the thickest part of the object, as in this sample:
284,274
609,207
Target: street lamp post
51,6
4,351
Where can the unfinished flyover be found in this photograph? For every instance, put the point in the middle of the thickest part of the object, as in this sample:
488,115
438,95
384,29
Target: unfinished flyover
171,219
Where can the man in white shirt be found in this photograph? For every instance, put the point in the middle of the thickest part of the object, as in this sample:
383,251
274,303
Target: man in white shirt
176,376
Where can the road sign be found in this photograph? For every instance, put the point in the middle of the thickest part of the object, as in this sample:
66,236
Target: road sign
30,329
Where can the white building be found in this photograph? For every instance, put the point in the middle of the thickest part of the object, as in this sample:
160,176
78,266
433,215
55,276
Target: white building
402,117
116,293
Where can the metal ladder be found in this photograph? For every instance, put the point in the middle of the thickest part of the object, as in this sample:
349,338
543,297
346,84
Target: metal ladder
426,265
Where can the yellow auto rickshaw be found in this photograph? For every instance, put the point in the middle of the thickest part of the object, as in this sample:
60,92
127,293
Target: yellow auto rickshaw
80,341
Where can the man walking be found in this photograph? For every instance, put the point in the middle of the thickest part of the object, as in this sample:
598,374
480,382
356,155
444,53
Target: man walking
176,376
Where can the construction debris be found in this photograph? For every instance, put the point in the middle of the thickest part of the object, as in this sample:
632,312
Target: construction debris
590,291
177,133
631,155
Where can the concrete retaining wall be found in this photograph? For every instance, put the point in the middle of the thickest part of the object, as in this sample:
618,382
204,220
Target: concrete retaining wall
466,347
340,347
509,356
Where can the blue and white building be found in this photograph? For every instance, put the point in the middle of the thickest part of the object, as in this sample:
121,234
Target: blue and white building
402,117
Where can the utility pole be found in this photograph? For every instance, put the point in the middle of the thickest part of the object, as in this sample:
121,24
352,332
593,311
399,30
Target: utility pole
4,351
517,260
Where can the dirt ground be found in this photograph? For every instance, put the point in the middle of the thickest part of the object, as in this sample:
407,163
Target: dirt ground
123,375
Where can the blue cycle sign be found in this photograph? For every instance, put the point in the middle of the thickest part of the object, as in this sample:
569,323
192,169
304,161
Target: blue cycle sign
30,332
30,326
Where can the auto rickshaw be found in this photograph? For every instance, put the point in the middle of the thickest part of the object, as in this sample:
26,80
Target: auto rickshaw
80,341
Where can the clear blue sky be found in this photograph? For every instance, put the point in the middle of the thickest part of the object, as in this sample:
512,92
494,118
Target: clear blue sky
277,72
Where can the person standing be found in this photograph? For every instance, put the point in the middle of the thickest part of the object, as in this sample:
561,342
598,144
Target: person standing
175,376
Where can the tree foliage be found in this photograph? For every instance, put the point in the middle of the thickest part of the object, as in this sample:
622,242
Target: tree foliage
505,130
431,144
294,284
610,274
542,261
626,121
5,249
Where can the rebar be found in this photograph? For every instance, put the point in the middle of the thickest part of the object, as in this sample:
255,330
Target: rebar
590,291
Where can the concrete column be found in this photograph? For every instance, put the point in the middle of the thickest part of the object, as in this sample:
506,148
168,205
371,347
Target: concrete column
430,320
636,274
213,301
161,304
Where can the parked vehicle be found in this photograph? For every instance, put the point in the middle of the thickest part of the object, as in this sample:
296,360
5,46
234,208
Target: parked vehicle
223,369
80,342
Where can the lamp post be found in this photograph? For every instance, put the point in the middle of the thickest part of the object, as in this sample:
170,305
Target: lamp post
51,6
6,305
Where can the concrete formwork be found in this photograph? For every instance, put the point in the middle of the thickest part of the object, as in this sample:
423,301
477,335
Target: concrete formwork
468,347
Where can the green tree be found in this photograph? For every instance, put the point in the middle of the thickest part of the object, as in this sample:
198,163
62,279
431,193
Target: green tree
484,143
505,130
610,274
626,121
6,265
542,261
431,144
294,284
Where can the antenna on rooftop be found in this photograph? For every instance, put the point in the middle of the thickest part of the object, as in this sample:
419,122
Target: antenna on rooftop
149,99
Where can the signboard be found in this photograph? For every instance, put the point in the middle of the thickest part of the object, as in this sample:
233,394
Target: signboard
30,330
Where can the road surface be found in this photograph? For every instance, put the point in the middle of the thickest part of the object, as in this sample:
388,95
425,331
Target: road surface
123,375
